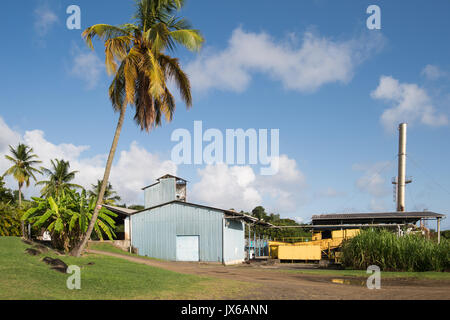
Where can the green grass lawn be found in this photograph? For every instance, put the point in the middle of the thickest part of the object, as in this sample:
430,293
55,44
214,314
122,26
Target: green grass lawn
27,277
385,275
108,247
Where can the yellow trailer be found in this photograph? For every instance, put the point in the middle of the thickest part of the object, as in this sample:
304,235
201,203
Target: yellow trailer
324,243
304,253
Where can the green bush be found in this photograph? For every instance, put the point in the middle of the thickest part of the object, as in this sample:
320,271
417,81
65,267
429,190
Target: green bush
392,253
10,225
445,234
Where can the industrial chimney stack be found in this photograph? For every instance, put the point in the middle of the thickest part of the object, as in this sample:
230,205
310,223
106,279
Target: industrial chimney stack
401,178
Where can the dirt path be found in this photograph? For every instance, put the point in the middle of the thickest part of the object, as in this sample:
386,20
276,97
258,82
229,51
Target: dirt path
278,284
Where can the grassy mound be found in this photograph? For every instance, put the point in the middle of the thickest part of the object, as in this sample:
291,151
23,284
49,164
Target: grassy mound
392,253
27,277
108,247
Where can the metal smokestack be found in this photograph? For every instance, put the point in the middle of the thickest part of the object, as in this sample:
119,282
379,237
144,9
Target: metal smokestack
401,182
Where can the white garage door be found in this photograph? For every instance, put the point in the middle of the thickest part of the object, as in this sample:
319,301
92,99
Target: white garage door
188,248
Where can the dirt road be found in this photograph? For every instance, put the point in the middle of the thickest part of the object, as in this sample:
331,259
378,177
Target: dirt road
275,283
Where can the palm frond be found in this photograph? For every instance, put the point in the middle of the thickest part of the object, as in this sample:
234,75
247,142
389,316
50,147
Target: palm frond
117,93
173,71
189,38
104,32
116,49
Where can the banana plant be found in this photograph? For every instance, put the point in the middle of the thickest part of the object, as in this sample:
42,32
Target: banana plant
67,217
86,206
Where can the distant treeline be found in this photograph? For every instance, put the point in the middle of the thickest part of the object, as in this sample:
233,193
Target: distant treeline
284,234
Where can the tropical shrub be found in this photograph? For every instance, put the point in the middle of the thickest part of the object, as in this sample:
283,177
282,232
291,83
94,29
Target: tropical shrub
67,217
6,195
9,221
393,253
445,234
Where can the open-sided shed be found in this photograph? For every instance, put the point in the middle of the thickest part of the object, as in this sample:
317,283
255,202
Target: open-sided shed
383,219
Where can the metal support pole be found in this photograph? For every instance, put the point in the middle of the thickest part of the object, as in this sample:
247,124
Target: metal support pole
129,234
248,244
259,245
267,244
439,230
264,245
254,243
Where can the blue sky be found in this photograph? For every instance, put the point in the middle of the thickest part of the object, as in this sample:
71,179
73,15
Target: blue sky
312,69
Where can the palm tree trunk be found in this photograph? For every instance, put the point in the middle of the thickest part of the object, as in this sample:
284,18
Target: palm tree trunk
22,223
78,250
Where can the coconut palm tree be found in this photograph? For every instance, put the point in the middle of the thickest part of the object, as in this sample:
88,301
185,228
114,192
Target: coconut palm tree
137,55
59,179
23,169
110,196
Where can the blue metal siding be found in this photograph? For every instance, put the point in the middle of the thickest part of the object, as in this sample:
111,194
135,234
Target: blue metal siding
234,241
154,231
163,192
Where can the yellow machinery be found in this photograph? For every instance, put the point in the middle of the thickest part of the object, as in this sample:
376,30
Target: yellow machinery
324,244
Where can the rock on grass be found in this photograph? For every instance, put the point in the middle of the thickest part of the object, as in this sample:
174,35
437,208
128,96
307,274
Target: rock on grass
32,252
56,264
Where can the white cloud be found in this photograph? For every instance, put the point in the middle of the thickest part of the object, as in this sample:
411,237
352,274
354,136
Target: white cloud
377,205
137,168
329,193
221,186
372,181
432,72
226,187
285,191
48,150
239,188
133,169
298,219
44,19
7,136
318,61
86,66
411,104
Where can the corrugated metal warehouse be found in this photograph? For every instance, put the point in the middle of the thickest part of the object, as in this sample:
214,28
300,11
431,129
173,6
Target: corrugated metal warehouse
172,229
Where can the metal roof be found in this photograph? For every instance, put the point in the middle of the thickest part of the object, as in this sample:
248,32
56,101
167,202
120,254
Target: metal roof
230,214
120,210
171,176
164,177
383,217
154,184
